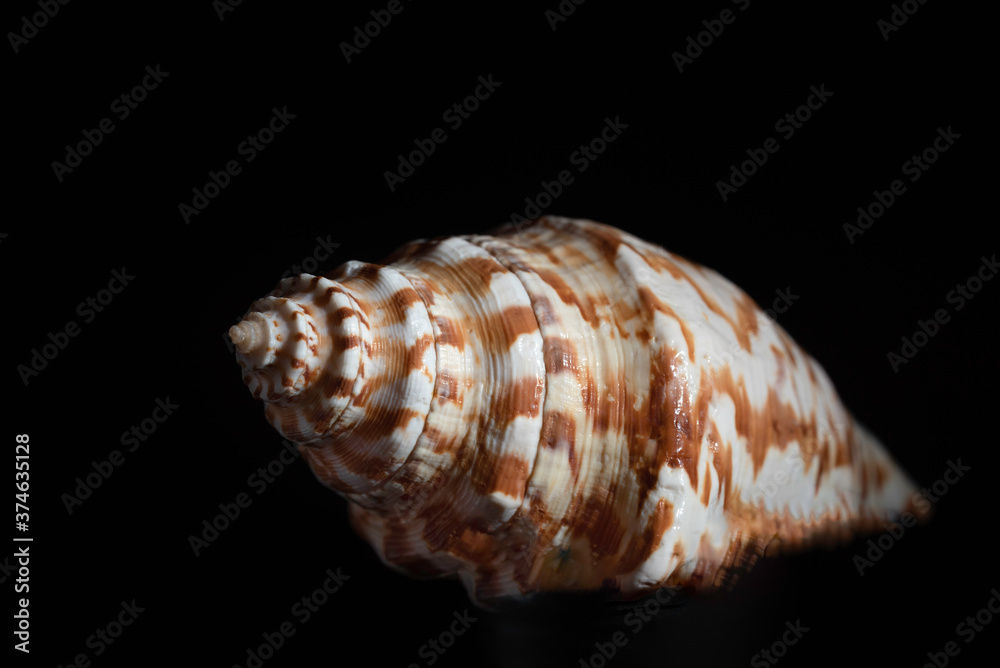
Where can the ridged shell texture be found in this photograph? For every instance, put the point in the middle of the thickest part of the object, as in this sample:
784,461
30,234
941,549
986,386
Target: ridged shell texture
562,407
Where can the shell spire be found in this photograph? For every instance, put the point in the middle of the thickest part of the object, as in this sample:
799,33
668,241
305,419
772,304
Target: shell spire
562,407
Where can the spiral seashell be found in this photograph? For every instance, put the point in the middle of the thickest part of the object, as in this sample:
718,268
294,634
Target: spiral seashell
561,407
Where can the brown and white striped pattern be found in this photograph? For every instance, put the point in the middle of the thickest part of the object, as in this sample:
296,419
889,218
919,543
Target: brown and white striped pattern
566,407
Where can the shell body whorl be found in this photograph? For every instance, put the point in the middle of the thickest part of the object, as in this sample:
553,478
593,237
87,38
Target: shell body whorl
563,407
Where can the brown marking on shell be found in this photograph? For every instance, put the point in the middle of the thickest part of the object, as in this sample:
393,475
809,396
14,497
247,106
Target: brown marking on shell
775,424
310,313
789,345
880,476
622,312
341,314
368,272
451,333
515,321
346,342
670,415
393,354
384,421
471,276
722,461
399,302
310,375
824,457
607,240
597,519
809,368
505,474
779,358
544,312
443,532
743,552
522,397
535,513
552,255
559,428
425,289
659,262
568,295
360,398
447,389
472,544
400,546
610,407
560,354
326,296
571,255
336,316
480,268
322,418
650,303
699,414
643,544
415,355
677,555
443,442
706,485
496,331
844,447
746,314
355,455
337,386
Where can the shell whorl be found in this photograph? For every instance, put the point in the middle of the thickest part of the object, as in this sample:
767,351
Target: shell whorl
561,407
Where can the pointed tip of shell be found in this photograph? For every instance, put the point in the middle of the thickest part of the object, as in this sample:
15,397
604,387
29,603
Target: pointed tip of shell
247,336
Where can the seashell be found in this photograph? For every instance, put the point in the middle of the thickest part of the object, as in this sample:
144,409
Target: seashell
562,407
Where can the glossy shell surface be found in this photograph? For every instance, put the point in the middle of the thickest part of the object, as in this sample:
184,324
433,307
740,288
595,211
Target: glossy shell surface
562,407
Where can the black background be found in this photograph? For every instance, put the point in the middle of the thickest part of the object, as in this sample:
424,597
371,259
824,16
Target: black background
323,177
